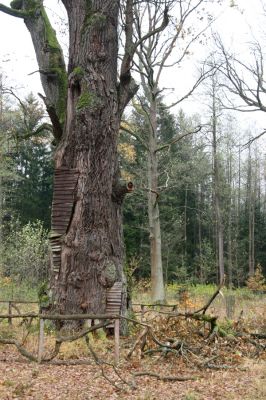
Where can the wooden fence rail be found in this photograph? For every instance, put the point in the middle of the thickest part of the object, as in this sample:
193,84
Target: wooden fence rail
13,304
69,317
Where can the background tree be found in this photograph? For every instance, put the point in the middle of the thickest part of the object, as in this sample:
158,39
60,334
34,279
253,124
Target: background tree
32,156
156,52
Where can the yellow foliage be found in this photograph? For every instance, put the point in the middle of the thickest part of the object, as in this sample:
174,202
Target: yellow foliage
257,281
127,151
5,281
126,176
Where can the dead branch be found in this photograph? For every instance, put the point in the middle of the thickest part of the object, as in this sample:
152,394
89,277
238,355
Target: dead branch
101,363
215,294
141,339
258,335
54,353
71,338
165,378
217,367
69,362
20,348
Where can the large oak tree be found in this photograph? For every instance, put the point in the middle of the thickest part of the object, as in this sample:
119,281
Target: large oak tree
85,103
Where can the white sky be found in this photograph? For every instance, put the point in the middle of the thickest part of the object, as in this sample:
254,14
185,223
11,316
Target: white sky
17,58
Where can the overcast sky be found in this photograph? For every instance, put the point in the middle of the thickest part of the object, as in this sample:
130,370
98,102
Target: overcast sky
237,29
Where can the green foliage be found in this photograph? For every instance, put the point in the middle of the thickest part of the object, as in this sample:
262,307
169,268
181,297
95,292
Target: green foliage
7,332
227,327
25,165
43,295
10,289
191,395
24,253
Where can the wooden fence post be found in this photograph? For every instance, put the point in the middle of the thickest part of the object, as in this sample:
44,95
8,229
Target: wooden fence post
41,340
10,312
142,309
230,302
117,339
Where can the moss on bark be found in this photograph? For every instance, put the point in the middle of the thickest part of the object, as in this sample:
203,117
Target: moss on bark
78,72
88,100
16,4
55,66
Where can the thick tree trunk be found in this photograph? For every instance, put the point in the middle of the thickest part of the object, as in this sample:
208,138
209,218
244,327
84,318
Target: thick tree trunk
85,106
91,246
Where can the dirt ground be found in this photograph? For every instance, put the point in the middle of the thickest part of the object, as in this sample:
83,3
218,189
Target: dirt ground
241,373
20,379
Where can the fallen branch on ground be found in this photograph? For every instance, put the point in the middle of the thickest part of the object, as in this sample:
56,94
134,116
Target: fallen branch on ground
165,378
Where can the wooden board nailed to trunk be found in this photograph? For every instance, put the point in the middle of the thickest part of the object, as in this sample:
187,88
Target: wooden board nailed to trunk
65,181
114,295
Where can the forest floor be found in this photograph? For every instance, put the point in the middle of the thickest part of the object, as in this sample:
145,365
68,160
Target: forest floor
225,368
23,380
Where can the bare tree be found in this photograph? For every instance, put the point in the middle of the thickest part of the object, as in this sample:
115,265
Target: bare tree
216,180
243,80
155,54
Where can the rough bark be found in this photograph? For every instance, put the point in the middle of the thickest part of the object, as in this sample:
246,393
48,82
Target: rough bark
85,106
91,252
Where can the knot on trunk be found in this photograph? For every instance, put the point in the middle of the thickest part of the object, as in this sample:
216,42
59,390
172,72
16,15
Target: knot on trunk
120,190
108,274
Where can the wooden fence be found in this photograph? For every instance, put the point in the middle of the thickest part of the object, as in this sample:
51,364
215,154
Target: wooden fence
73,317
112,317
12,304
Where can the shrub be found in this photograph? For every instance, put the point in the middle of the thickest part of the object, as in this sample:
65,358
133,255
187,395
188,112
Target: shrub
24,253
257,281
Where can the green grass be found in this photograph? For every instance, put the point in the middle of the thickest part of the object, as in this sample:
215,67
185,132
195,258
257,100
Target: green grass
11,290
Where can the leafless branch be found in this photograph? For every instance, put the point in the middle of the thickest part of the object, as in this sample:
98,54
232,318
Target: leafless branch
13,12
177,139
247,144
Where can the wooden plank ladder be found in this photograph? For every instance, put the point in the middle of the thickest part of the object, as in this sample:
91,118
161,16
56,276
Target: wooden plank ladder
114,295
113,307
